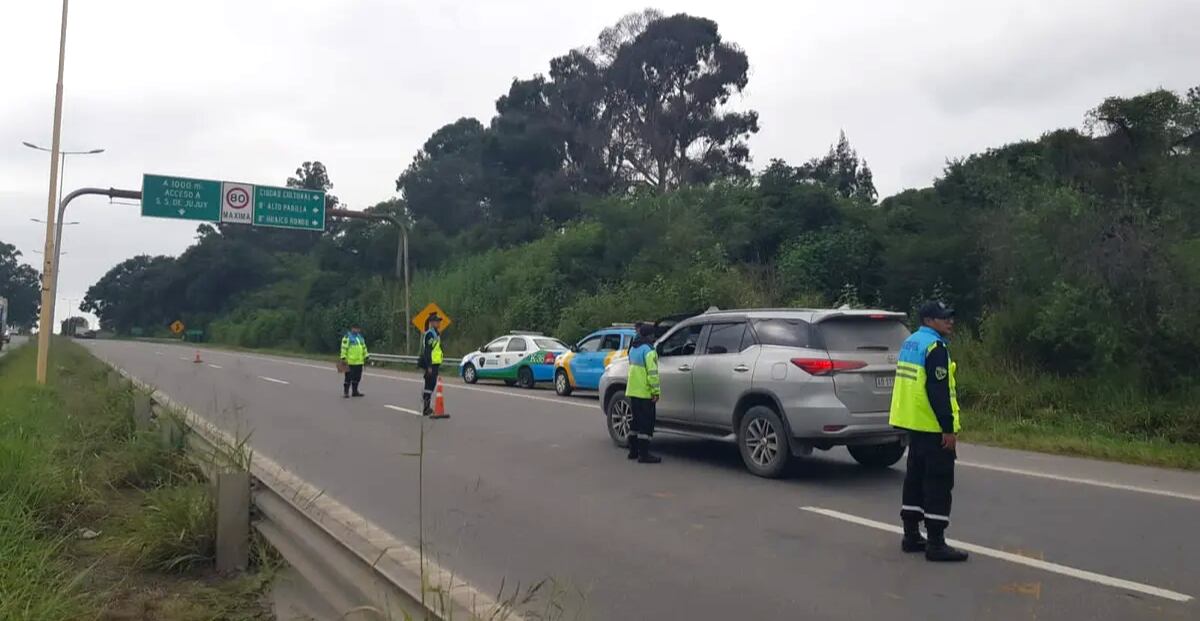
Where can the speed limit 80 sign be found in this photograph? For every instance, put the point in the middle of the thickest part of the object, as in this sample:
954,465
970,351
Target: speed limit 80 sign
237,202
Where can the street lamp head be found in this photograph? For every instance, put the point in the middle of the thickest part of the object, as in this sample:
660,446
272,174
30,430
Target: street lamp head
32,146
94,151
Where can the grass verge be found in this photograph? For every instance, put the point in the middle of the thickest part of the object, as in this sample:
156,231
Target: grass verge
98,520
1004,404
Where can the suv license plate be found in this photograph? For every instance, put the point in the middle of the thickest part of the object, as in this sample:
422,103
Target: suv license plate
885,381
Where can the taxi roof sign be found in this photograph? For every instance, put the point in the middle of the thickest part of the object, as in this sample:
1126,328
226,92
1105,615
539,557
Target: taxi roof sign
431,309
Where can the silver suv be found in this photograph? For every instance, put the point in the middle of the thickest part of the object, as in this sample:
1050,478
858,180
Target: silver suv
777,382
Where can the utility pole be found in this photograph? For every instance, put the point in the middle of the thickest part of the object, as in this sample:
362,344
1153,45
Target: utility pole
401,257
47,327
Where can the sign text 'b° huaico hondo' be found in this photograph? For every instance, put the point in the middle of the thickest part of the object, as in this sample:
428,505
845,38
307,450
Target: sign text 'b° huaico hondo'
182,198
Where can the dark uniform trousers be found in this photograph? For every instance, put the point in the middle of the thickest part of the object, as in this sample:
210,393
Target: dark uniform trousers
645,414
431,379
929,481
353,377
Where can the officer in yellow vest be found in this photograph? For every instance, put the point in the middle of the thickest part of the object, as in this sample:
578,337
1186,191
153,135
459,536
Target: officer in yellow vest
925,402
354,354
643,391
430,359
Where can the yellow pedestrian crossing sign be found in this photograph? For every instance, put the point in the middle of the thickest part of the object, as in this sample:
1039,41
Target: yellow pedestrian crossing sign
431,309
177,327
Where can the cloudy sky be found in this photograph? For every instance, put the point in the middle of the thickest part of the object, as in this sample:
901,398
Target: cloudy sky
248,89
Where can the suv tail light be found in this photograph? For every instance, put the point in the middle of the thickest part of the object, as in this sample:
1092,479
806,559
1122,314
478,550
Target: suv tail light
825,366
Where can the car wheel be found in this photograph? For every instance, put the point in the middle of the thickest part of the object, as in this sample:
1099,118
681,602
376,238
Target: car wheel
470,375
620,416
510,383
562,384
763,442
525,377
877,455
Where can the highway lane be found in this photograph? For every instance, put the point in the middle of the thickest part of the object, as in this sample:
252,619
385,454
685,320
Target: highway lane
524,485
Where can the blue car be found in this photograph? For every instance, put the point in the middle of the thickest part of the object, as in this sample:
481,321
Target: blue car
581,368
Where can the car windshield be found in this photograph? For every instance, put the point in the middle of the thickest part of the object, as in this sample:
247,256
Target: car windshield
863,334
550,344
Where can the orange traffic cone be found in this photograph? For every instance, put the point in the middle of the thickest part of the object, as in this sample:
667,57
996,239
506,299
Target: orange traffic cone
439,402
197,360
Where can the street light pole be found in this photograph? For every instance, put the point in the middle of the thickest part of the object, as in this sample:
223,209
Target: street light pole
401,256
59,226
46,326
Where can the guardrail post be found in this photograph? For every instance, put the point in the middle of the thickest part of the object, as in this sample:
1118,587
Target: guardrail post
141,410
233,521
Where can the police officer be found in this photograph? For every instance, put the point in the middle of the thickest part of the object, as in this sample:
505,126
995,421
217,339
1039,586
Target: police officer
643,391
925,402
431,359
354,355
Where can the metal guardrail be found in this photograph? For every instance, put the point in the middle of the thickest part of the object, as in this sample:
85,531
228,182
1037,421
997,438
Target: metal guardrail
352,564
409,359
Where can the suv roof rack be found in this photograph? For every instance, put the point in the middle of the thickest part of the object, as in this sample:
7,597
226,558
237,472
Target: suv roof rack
525,333
622,325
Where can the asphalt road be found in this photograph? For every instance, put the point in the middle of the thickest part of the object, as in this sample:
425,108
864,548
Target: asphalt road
15,342
524,485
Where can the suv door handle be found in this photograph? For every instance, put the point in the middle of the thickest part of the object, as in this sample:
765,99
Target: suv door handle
741,368
685,367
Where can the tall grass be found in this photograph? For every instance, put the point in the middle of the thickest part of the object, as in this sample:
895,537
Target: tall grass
67,452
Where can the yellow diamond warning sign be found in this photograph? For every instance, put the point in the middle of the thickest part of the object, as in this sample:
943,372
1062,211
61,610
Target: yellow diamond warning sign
177,327
429,311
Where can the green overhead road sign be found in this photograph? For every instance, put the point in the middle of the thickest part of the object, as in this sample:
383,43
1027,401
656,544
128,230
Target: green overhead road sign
291,208
230,202
181,198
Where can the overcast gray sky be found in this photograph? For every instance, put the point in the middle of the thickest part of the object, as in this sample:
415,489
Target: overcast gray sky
246,90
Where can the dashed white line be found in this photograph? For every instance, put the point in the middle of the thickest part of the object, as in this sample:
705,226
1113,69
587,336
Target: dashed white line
271,379
1081,481
158,353
216,366
1062,570
405,410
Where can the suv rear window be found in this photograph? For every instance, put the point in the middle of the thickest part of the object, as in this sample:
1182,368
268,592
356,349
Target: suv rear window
862,334
784,332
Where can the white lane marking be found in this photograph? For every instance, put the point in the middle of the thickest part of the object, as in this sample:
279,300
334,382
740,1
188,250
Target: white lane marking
216,366
1016,558
405,410
158,353
271,379
1080,481
562,401
184,358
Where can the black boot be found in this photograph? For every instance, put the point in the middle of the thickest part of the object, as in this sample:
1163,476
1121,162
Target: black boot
633,446
355,393
645,457
425,409
937,550
345,391
913,541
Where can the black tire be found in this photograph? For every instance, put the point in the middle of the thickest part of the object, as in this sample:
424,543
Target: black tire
470,374
763,442
525,378
617,417
510,383
877,456
562,384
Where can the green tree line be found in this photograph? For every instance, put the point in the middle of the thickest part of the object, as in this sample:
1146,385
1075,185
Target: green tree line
618,187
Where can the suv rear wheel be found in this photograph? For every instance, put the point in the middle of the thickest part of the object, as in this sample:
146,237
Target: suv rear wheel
470,374
877,455
619,416
763,442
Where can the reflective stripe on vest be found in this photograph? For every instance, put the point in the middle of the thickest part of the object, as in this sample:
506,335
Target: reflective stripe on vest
910,402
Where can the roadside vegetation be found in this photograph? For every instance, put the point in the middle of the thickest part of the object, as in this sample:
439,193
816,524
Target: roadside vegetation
1073,257
98,520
